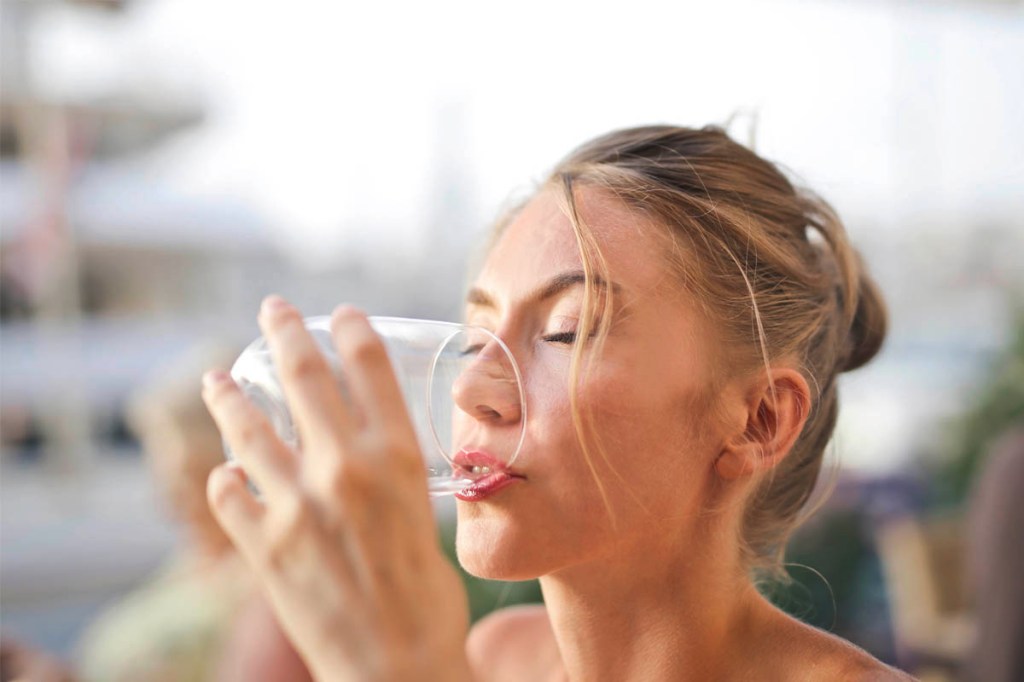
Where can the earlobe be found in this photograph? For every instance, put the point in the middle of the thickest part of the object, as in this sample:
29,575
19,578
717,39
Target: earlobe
733,464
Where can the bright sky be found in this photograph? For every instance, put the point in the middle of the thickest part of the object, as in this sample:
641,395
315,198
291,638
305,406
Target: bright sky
328,116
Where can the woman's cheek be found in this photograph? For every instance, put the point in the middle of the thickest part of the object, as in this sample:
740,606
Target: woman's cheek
636,424
611,403
612,392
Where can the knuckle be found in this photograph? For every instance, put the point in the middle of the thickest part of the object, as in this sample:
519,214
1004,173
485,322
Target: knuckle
397,449
385,442
354,481
353,476
367,349
218,493
250,432
290,523
374,443
304,365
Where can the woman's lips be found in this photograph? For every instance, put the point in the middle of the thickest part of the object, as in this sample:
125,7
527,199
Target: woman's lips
476,463
489,473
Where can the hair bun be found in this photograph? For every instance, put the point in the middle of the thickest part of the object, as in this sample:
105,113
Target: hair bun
869,326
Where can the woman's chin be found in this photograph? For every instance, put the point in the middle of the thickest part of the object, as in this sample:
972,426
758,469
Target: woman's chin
495,554
489,569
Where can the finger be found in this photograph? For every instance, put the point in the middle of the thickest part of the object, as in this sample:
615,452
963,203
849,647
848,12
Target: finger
283,537
237,511
369,373
270,463
321,416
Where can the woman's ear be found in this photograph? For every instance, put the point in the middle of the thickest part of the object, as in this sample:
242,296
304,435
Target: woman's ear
774,420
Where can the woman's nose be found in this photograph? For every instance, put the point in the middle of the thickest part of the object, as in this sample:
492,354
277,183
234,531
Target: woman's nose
487,388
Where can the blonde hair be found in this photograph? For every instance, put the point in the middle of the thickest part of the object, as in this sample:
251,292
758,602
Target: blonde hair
769,263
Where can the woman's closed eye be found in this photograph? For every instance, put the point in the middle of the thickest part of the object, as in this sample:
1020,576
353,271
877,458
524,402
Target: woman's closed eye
471,349
473,341
560,337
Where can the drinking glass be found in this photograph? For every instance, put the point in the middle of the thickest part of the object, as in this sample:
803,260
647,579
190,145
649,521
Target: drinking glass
461,385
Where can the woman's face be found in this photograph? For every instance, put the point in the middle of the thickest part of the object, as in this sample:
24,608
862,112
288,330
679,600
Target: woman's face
648,396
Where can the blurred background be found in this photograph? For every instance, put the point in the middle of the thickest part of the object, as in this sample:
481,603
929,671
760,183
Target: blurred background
164,164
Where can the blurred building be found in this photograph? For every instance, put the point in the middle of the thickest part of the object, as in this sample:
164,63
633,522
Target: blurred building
105,270
105,274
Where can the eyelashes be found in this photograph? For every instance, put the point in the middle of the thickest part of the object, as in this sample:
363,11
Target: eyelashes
561,337
564,338
471,350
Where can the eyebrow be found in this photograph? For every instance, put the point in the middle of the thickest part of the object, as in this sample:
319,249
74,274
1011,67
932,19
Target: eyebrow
554,286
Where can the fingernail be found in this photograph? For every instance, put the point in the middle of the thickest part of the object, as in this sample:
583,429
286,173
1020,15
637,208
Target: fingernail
274,304
215,377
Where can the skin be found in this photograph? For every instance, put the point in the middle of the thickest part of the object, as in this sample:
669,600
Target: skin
647,581
644,580
343,541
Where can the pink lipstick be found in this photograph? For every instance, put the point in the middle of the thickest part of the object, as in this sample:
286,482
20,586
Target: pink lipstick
489,473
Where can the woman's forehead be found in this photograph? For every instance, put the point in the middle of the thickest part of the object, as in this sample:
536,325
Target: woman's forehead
539,243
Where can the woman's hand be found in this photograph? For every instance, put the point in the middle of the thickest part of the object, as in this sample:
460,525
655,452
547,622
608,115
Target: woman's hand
344,540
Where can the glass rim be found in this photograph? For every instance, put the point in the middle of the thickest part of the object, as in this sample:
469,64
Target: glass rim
324,321
519,384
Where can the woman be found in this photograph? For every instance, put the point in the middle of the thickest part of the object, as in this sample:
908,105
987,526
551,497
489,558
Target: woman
679,313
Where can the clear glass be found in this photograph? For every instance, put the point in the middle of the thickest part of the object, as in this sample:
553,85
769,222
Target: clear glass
462,389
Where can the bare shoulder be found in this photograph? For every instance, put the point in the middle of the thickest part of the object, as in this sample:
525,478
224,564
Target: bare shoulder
515,643
873,670
828,657
857,665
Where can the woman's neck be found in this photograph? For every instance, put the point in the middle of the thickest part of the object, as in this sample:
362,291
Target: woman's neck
677,615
